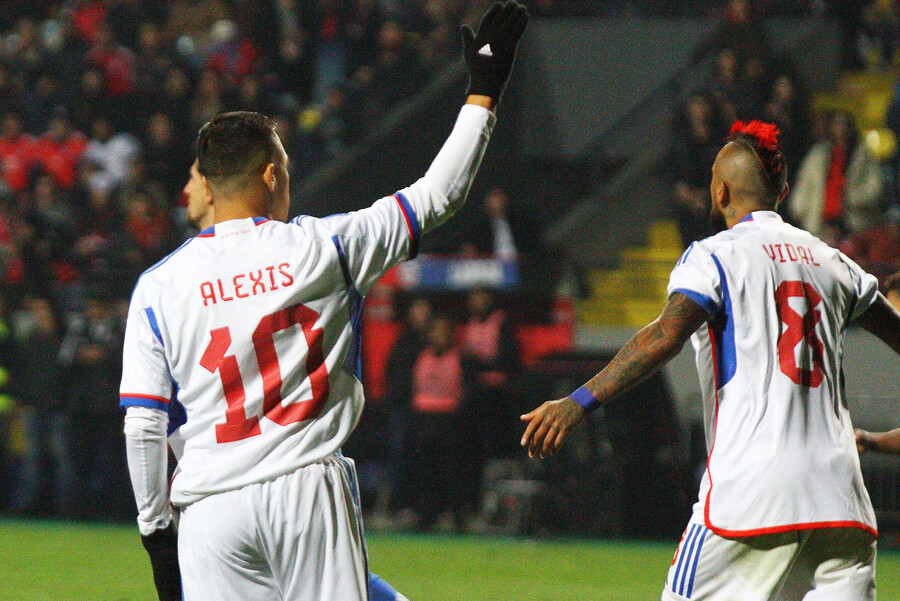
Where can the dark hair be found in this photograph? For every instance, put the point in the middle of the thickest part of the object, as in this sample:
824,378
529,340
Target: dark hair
762,140
235,145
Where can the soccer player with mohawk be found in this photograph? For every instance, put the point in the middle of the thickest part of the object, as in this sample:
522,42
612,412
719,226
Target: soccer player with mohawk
782,513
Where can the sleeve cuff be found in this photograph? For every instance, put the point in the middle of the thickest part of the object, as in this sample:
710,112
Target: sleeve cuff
143,400
708,304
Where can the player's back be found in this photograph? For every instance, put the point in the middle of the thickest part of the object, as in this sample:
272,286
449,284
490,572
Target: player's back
254,317
781,444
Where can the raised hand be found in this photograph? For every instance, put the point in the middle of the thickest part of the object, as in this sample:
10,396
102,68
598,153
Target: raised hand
491,52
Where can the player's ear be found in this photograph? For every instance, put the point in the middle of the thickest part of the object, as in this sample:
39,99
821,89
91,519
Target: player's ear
268,177
722,195
206,189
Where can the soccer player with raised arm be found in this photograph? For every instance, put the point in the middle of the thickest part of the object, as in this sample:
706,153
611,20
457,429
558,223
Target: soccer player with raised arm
252,328
783,513
201,213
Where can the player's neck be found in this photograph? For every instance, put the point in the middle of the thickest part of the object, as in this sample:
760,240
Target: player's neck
227,211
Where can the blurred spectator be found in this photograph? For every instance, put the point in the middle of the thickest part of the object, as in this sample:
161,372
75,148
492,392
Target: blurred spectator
231,55
437,396
16,152
88,16
51,232
91,102
490,358
117,64
24,50
91,353
441,38
152,64
60,149
142,202
111,153
190,23
413,339
49,457
167,154
176,100
787,108
696,140
838,189
125,18
500,232
396,72
363,24
42,101
727,86
331,47
208,101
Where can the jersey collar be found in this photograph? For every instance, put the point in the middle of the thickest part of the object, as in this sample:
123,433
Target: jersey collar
761,216
210,232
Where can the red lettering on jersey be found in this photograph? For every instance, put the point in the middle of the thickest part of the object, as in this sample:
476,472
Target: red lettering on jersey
237,287
222,292
288,278
780,255
257,281
210,296
804,256
271,270
790,251
813,259
769,251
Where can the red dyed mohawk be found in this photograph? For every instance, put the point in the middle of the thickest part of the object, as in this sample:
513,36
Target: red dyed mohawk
762,138
766,134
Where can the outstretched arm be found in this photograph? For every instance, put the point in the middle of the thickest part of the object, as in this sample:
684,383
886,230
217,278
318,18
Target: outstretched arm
643,355
882,320
881,442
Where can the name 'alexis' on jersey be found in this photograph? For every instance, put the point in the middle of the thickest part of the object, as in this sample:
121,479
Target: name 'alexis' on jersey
248,284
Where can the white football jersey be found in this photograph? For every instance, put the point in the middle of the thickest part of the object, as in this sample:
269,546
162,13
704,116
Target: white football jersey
782,453
248,335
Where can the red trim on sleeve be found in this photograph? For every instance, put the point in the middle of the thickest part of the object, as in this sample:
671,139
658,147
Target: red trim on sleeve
145,396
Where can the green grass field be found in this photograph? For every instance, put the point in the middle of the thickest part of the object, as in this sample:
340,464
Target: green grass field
45,561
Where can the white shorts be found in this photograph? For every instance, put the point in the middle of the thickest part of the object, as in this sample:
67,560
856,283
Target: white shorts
826,564
298,538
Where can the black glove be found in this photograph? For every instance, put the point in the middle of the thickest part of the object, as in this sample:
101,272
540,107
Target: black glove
162,547
491,52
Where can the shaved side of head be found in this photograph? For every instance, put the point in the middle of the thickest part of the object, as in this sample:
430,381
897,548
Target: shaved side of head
742,171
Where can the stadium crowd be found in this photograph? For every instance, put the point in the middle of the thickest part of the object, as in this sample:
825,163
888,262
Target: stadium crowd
100,101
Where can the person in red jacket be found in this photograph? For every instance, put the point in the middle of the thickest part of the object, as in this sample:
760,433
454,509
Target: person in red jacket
60,149
16,152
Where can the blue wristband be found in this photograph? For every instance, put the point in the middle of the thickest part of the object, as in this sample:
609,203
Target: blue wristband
585,399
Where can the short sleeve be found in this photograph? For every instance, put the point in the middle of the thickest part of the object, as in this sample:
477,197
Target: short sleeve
697,276
865,288
146,380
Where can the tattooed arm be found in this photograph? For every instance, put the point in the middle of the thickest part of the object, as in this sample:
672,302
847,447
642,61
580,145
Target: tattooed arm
643,355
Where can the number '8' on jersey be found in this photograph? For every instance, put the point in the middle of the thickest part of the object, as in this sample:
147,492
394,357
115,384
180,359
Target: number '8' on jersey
769,360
